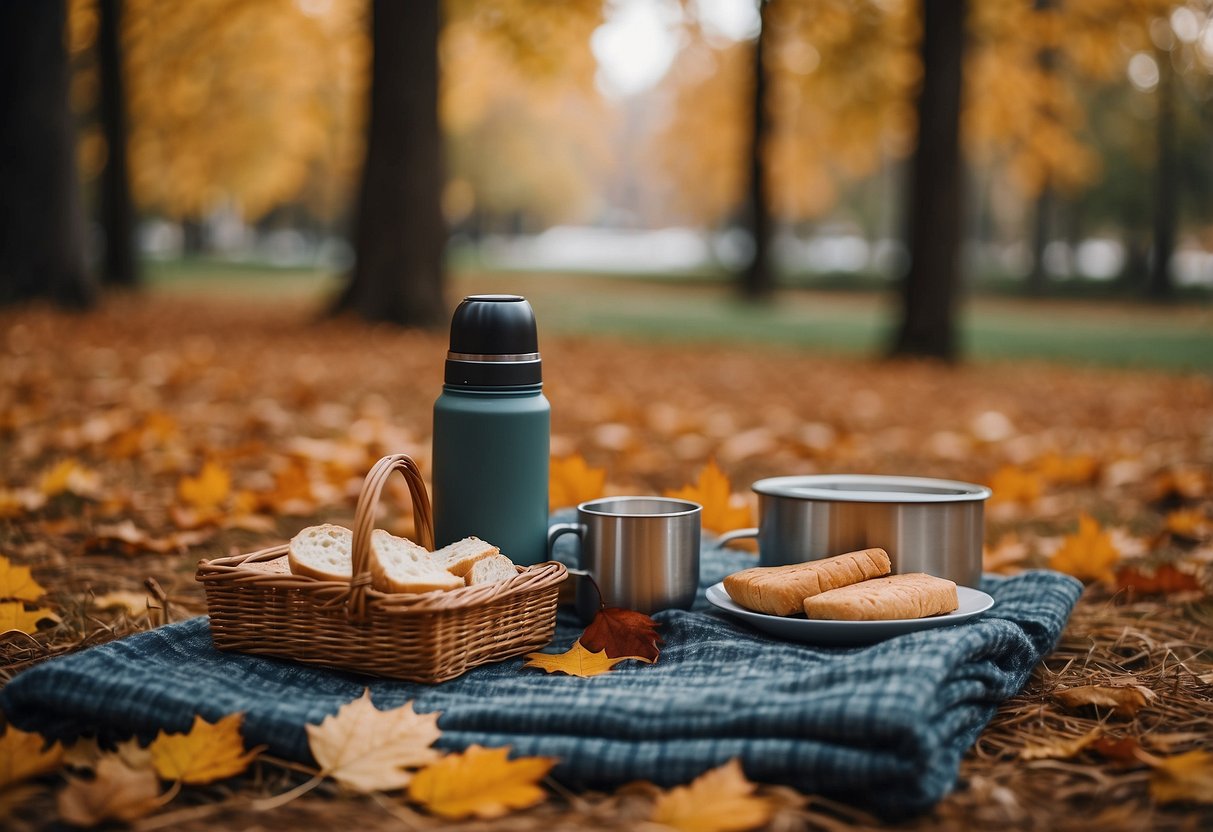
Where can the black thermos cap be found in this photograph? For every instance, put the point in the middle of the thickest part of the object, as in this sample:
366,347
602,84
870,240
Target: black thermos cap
494,343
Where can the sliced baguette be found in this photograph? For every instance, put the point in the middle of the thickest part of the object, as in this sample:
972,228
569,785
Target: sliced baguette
490,570
459,557
322,552
400,565
781,590
912,595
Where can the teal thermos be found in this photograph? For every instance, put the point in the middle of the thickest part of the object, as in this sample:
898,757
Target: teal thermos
492,431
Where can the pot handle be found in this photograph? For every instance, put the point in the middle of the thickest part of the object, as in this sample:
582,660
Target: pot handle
736,534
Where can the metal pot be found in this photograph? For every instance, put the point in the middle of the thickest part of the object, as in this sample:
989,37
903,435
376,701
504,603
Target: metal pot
926,525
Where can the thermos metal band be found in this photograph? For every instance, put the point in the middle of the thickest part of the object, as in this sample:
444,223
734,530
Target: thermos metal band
467,356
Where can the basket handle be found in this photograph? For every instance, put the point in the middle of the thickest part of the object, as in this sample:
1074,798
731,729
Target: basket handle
364,523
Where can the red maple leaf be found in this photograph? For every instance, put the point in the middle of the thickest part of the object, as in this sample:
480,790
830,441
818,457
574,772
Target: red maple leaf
622,633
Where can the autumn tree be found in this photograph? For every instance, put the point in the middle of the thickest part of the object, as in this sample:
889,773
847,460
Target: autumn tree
120,265
929,290
758,280
41,215
399,233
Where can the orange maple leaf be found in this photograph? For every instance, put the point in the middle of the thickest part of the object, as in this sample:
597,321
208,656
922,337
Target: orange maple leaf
723,511
1012,484
1067,470
576,661
1088,555
1190,524
1165,579
206,753
480,782
572,481
622,633
207,491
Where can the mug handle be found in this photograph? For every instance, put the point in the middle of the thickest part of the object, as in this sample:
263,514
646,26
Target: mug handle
736,534
562,529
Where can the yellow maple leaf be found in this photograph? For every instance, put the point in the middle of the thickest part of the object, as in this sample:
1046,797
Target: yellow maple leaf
722,510
14,616
207,491
1088,555
24,754
571,481
1183,778
1012,484
69,475
480,782
116,792
206,753
1060,748
367,750
17,583
1067,470
720,800
576,661
132,603
1190,523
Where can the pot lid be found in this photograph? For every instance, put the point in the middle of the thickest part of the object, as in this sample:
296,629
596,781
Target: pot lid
871,488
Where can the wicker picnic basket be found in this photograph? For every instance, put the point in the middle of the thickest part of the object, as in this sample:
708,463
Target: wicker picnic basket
428,637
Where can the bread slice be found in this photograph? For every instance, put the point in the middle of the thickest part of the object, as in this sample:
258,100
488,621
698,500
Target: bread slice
459,556
914,595
277,566
491,569
322,552
400,565
781,590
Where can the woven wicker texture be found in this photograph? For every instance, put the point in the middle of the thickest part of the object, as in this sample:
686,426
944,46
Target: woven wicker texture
428,637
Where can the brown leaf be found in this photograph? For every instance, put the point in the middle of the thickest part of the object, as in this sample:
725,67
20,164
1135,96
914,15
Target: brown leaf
1163,580
1121,750
622,634
116,792
480,782
129,538
1122,700
1184,778
132,603
720,800
576,661
1059,748
367,750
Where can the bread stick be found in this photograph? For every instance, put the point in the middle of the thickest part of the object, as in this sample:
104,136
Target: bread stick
914,595
781,590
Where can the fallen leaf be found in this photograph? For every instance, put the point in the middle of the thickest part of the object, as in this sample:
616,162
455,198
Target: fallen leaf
1005,556
722,510
86,753
1059,748
206,753
24,754
720,800
207,491
571,481
132,603
480,782
1172,487
13,797
1183,778
15,502
129,538
1079,469
366,749
1165,579
70,476
576,661
1012,484
622,634
17,583
116,792
1088,555
1189,524
1122,750
1122,700
14,616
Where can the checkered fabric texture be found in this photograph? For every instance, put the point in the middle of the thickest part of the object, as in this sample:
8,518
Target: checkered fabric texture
883,727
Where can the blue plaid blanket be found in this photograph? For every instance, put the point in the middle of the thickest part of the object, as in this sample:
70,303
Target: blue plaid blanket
883,726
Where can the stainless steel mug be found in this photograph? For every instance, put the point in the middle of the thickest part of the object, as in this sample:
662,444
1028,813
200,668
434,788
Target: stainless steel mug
643,552
926,525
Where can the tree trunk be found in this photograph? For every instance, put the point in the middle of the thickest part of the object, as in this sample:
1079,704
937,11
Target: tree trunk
120,267
1038,278
400,234
41,215
1160,286
758,280
930,288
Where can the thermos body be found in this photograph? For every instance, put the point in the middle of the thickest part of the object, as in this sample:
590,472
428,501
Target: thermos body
491,450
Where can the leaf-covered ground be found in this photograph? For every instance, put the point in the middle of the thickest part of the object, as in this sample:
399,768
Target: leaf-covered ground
136,440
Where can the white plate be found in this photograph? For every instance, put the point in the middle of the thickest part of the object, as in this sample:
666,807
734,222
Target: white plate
973,602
